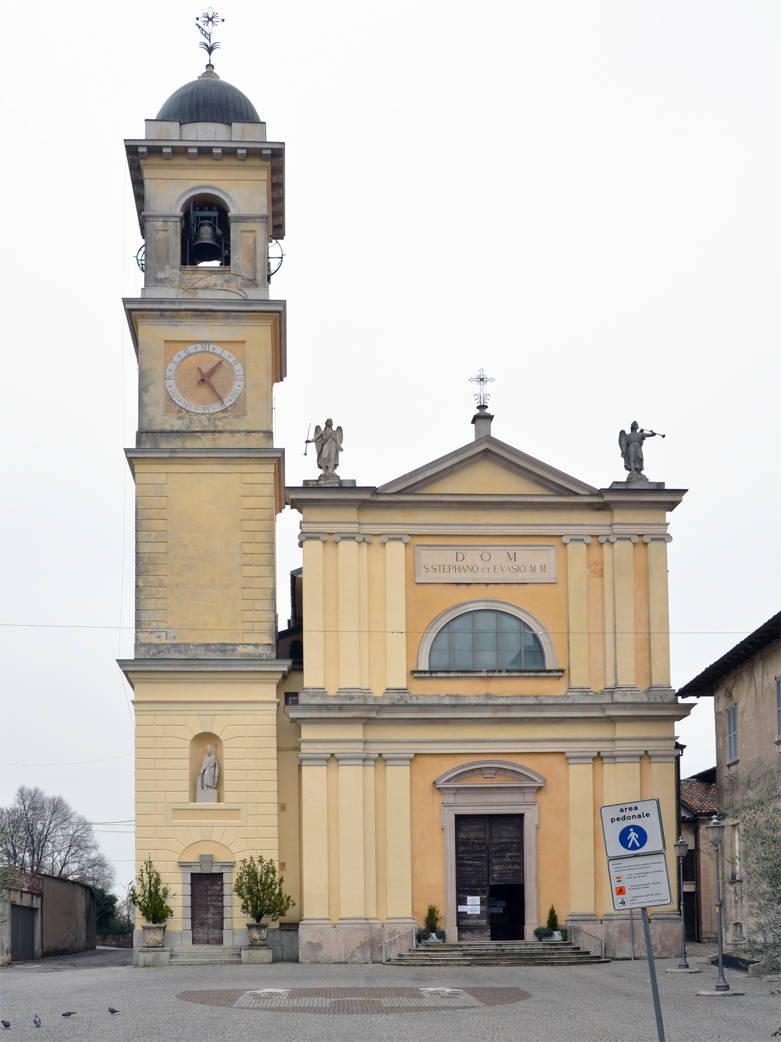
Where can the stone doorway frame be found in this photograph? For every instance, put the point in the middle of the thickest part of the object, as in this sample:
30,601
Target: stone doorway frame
517,795
207,864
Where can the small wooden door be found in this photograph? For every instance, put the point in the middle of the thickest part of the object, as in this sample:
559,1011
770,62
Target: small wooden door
22,933
207,913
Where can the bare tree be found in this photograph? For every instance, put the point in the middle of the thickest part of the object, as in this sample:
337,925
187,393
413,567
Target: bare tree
40,833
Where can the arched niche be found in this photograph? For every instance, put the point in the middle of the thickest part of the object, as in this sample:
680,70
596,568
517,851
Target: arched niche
206,228
198,754
488,787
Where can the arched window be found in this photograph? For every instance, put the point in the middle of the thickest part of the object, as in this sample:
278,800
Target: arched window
486,636
486,640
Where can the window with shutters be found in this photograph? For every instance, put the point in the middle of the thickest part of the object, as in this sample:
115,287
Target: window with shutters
732,734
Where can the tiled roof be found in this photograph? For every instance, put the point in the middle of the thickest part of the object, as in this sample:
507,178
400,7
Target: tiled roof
699,796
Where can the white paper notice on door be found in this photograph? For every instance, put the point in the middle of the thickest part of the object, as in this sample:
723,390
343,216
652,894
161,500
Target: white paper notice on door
473,899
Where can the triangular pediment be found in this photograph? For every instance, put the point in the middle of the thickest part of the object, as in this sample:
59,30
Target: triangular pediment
488,467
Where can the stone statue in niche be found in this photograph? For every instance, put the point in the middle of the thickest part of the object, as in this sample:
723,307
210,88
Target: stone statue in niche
328,442
206,786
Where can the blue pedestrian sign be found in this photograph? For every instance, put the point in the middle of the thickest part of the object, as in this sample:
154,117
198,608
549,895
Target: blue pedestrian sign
633,838
633,827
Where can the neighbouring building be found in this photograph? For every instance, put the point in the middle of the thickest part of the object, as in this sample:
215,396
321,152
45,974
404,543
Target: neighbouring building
478,656
745,684
698,804
44,915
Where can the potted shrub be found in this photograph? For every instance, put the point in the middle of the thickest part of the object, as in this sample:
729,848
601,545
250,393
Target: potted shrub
262,896
553,925
150,897
430,934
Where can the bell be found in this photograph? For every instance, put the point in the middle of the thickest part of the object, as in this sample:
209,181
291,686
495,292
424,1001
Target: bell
205,245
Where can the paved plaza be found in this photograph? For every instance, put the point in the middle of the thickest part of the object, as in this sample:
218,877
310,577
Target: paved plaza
287,1001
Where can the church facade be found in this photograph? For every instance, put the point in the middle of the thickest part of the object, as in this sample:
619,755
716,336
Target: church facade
479,655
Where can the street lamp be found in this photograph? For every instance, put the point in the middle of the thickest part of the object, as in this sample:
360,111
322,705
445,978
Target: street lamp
715,830
681,850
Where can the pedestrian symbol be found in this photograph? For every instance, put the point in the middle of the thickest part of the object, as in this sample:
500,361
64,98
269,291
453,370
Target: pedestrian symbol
633,837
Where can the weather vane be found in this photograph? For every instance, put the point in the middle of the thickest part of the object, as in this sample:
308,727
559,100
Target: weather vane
206,24
481,397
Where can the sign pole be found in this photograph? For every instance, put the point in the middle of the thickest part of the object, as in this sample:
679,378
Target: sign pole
652,972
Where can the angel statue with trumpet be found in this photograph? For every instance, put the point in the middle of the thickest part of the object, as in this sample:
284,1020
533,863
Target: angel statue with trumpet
631,446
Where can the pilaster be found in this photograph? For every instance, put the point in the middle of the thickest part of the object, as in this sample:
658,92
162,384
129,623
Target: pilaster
352,881
577,610
314,837
314,616
658,610
582,845
348,612
624,578
399,835
395,610
609,610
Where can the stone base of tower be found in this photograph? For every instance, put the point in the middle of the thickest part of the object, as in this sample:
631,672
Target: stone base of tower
615,931
354,940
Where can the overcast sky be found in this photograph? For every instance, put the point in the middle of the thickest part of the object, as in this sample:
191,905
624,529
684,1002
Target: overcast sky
580,197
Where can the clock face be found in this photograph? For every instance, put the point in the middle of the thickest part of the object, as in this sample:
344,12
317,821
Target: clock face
204,378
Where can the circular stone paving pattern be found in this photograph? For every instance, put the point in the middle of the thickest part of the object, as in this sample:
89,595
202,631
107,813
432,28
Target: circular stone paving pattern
357,1000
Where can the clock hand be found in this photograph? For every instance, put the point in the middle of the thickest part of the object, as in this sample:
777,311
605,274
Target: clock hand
205,379
210,371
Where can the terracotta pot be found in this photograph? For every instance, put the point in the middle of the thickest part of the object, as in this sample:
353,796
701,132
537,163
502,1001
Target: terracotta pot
258,933
154,934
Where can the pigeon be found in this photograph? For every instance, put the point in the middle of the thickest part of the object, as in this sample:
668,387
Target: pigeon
112,1010
6,1024
37,1020
70,1012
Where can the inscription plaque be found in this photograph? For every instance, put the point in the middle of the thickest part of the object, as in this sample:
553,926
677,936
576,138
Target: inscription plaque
517,563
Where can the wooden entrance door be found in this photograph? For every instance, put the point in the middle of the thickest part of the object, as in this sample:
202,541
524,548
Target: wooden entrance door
207,914
489,876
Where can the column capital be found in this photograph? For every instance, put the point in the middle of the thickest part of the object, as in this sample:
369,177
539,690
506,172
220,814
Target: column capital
620,538
580,758
623,757
350,537
313,759
576,539
657,538
397,759
353,759
303,537
394,538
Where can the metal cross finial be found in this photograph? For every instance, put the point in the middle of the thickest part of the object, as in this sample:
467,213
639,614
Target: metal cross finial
481,397
206,24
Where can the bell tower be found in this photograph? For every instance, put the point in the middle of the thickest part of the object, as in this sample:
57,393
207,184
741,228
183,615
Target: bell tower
210,344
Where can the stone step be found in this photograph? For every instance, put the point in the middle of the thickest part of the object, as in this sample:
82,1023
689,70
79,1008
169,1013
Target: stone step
512,953
206,954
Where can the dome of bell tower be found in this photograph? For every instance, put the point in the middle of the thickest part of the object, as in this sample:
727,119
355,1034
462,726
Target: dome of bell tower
208,99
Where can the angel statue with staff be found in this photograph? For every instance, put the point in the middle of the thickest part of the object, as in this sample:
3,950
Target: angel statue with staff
328,442
631,446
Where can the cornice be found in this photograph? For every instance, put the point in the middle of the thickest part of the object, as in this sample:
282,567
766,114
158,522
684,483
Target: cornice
183,308
138,149
480,709
209,453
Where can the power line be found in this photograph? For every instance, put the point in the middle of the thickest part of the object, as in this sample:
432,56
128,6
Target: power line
69,763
